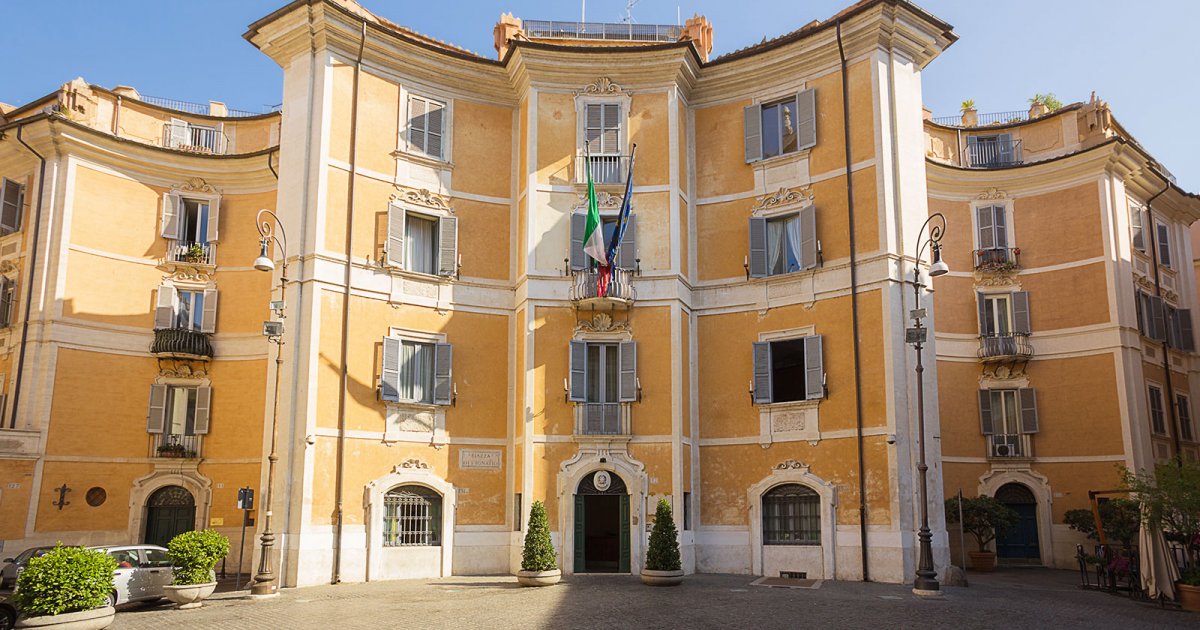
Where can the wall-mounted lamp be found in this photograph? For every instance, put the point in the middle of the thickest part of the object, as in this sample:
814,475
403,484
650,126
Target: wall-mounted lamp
746,266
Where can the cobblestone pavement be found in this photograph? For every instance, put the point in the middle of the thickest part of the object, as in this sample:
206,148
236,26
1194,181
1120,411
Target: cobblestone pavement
1026,598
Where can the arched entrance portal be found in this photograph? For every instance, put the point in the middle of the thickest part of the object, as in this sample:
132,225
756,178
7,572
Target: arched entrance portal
1019,543
601,524
170,511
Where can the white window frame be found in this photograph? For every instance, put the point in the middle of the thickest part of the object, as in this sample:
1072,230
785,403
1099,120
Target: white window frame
1136,208
1006,312
405,147
1188,434
398,411
581,103
791,414
1159,243
1009,225
1162,402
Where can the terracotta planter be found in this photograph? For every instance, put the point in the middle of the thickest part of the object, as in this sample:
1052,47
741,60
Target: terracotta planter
539,578
662,578
982,561
190,595
95,619
1189,596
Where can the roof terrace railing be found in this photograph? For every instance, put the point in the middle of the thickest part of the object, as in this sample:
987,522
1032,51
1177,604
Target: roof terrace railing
197,108
545,29
983,120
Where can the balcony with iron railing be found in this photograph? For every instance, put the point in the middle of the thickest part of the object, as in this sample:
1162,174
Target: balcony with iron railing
170,445
984,120
586,289
606,169
997,259
622,31
1006,347
203,109
994,153
194,138
192,253
1009,446
602,419
181,343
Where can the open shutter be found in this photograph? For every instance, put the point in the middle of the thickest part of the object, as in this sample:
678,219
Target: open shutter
203,410
1173,336
443,388
972,150
1021,313
170,215
983,322
416,123
627,389
1137,226
179,135
435,121
1029,414
577,389
753,132
808,237
627,253
814,368
1187,338
1164,244
762,372
11,201
448,246
985,412
1004,148
214,218
157,416
758,247
1000,226
389,378
208,321
578,224
1158,322
164,309
987,235
394,248
806,115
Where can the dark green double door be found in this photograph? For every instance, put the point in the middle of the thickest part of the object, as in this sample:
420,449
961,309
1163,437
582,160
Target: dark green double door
602,533
170,511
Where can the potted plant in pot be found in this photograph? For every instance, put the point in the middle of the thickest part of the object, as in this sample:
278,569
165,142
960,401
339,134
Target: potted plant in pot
984,518
194,253
193,555
539,564
970,115
663,567
1170,498
66,589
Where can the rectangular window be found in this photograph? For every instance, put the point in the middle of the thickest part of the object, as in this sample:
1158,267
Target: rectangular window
12,201
412,517
1185,417
779,128
603,369
189,310
783,245
1006,412
992,232
1164,244
791,515
1137,223
1158,423
416,371
193,226
421,238
788,370
993,150
603,376
181,411
997,316
426,126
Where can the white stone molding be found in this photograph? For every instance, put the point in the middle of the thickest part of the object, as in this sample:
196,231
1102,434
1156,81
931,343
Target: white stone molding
588,459
602,86
789,472
991,482
168,472
782,200
408,472
422,197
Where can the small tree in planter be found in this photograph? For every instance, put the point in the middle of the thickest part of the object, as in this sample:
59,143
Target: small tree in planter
1120,518
539,563
984,518
67,587
1170,499
194,554
663,567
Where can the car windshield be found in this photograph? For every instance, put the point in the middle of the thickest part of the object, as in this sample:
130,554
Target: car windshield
31,553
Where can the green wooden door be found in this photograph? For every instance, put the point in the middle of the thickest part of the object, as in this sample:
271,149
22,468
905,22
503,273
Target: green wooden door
165,522
623,561
580,535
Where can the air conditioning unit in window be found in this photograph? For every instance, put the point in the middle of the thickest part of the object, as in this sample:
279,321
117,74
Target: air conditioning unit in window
1006,445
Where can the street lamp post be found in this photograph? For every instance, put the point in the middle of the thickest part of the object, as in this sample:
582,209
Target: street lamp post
265,583
926,581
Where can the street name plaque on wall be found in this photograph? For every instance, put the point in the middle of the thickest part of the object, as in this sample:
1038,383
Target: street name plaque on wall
479,459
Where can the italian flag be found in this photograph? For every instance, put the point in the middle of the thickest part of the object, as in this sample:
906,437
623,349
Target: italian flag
593,233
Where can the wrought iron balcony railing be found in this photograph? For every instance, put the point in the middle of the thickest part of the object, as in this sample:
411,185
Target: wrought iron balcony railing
1010,446
997,259
194,138
586,286
195,253
1004,347
181,342
609,418
606,169
983,120
175,446
993,153
544,29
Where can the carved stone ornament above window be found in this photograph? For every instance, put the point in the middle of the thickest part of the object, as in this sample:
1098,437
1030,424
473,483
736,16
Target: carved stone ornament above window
791,464
996,278
601,322
410,464
181,272
8,266
604,200
602,86
195,184
422,197
174,368
993,193
783,197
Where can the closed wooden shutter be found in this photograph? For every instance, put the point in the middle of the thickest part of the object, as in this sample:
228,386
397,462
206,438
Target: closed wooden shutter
627,254
1021,324
170,215
987,234
814,368
985,412
1158,323
393,249
610,140
808,238
762,372
435,121
806,115
1164,244
416,123
448,246
1187,337
156,418
758,247
1000,226
752,132
1004,148
973,157
203,410
443,386
627,389
578,225
1137,226
1029,413
984,324
12,198
389,379
164,309
214,218
208,322
577,388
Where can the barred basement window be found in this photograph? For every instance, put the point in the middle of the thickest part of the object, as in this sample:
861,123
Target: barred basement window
412,517
791,515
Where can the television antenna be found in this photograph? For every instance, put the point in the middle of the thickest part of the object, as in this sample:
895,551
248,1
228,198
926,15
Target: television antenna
628,17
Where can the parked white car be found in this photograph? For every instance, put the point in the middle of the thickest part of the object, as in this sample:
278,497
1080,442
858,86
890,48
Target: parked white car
142,572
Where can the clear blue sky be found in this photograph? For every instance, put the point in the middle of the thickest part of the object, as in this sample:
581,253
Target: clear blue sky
1139,56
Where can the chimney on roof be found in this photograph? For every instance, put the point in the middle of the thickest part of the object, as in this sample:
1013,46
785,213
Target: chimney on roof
507,29
127,91
698,30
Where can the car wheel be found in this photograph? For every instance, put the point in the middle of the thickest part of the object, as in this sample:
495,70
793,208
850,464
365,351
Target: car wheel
111,600
8,618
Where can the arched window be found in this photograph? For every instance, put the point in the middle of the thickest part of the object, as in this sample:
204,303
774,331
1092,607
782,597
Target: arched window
412,517
791,515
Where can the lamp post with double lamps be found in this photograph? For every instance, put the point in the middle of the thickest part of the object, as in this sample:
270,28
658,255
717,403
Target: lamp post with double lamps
926,581
265,582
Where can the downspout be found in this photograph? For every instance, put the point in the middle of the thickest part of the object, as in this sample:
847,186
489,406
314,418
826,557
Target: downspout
116,126
37,230
858,409
1166,342
341,444
272,166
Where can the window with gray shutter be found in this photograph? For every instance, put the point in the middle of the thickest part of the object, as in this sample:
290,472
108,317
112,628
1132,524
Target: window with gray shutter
752,132
1137,226
171,205
986,425
209,317
394,247
627,388
578,257
1029,412
389,378
1020,302
426,126
762,372
1187,339
1164,244
1158,323
602,131
814,368
627,254
164,308
806,114
214,220
203,410
992,226
448,246
577,389
809,247
443,388
758,247
12,201
156,417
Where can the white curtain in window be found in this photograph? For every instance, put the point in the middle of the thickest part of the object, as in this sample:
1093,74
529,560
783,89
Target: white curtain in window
419,248
416,372
792,228
776,248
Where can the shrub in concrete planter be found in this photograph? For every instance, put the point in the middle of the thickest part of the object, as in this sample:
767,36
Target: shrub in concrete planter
194,554
539,564
66,589
1170,498
663,567
984,518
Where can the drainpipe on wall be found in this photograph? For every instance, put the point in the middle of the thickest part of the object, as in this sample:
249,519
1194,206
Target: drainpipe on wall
1166,343
37,230
341,444
858,409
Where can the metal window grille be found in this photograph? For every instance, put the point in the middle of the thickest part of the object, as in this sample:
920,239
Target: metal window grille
791,516
411,518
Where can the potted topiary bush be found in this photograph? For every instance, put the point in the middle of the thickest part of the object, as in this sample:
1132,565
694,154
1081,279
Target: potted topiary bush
193,555
539,564
663,567
1170,499
66,589
984,518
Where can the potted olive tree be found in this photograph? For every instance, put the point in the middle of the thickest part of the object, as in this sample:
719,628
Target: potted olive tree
66,589
984,518
1170,499
663,567
193,555
539,564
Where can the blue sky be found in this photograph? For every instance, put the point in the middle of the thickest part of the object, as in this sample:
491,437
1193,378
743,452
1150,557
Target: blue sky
1139,56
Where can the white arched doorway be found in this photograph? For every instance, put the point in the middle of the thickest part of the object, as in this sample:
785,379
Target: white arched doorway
409,516
792,481
631,474
1038,485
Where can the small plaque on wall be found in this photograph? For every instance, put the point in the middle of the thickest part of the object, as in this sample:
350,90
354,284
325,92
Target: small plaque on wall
479,459
216,522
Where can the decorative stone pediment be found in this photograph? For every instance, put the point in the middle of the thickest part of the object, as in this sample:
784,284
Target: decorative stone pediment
996,278
601,322
604,200
602,86
802,195
422,197
411,464
993,193
791,464
196,184
184,272
182,369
